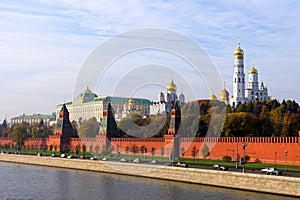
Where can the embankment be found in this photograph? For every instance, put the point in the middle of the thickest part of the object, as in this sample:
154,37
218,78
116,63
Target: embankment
253,182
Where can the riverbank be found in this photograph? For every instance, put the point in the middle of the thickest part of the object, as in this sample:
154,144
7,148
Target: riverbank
253,182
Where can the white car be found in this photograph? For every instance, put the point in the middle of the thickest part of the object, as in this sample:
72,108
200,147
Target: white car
136,160
123,160
220,167
153,161
179,164
271,171
63,155
93,158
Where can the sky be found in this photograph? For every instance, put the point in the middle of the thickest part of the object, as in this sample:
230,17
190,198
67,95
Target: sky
45,43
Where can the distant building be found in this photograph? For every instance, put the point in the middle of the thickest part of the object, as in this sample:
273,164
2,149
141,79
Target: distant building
87,105
165,103
46,120
253,91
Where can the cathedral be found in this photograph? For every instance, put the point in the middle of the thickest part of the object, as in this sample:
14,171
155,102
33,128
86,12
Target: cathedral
165,103
254,91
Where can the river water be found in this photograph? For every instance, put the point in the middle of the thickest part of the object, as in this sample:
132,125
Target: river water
24,182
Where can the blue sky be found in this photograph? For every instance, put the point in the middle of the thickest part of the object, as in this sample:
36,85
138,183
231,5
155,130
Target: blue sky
44,43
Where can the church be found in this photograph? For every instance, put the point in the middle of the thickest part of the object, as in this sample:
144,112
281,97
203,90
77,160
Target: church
165,103
254,91
241,93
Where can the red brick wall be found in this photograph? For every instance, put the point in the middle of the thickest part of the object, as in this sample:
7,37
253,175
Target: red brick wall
259,149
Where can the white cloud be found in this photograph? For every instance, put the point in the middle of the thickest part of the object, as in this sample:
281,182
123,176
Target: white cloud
42,39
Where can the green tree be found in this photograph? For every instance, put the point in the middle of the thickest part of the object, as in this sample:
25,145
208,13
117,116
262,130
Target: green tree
152,152
89,128
205,151
19,134
194,152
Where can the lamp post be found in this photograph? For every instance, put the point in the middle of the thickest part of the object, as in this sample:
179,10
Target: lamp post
236,154
244,163
275,158
285,155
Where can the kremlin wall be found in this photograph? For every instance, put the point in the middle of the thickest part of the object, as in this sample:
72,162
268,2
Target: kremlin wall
260,149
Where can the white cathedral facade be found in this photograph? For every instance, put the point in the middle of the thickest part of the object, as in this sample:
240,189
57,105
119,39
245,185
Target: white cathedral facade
165,103
254,90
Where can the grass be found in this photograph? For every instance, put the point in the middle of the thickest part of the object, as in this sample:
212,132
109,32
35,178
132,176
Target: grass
189,161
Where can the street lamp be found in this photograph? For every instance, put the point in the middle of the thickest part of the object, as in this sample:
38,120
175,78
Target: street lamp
236,155
285,155
244,163
275,158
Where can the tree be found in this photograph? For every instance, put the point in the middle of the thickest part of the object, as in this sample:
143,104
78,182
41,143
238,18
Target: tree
77,149
152,152
83,149
205,150
182,151
19,134
89,128
142,149
194,152
162,151
227,158
97,148
134,150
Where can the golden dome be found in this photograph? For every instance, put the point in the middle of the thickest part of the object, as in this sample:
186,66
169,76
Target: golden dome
213,97
131,100
239,51
171,86
253,71
87,90
224,95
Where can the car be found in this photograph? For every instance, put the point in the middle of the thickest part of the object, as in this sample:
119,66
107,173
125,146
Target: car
153,161
93,158
179,164
136,160
39,154
220,167
53,155
104,159
63,155
123,160
70,156
2,152
271,171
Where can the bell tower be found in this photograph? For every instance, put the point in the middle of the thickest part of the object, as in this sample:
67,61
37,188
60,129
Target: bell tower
238,95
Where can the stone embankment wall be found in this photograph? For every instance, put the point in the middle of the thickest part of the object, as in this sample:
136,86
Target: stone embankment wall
254,182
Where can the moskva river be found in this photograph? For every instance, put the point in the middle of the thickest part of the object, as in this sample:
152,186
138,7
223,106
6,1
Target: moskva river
24,182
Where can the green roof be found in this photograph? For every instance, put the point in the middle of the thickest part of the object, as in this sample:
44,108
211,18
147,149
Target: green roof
67,103
123,99
35,116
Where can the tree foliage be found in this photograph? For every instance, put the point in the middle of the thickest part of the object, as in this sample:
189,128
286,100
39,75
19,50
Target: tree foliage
89,128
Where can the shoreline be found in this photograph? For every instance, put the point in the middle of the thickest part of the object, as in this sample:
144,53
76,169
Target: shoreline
279,185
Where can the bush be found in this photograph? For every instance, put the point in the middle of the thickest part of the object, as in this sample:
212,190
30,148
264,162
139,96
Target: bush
226,158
